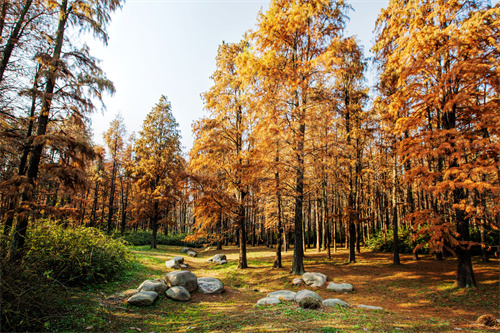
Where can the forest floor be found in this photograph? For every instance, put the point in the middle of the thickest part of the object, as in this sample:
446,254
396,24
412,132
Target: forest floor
417,296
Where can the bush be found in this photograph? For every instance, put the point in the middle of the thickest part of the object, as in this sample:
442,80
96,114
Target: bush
378,244
142,237
75,256
33,292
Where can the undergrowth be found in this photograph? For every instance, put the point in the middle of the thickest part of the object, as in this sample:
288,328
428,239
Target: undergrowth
37,290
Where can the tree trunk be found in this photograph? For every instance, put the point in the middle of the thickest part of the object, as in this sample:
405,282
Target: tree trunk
277,259
298,249
396,260
154,225
112,196
465,273
19,233
242,260
14,36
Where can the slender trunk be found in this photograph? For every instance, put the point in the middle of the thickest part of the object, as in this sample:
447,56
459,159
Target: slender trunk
396,260
112,194
277,259
19,234
14,36
242,260
298,250
94,205
154,224
3,14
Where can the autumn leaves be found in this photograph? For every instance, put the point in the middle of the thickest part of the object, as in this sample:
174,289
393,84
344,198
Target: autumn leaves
289,122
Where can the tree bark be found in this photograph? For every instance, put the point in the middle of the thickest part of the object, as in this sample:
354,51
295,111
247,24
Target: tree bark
19,233
14,36
242,260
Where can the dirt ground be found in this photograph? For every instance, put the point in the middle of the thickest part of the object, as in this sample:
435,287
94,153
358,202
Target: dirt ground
417,296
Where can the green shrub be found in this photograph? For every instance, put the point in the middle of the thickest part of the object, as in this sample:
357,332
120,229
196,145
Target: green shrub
142,237
75,255
378,244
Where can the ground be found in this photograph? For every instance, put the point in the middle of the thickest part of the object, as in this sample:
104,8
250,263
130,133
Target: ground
417,296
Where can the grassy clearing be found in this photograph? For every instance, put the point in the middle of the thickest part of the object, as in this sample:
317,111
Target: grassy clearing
416,297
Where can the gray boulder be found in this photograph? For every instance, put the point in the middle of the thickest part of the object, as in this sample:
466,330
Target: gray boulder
314,279
369,307
210,285
297,281
219,257
178,293
178,259
334,302
340,287
306,293
153,285
185,279
143,298
192,253
172,264
268,301
220,262
175,262
283,295
185,249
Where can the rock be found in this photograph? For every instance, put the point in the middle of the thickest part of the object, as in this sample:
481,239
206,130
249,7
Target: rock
129,292
143,298
369,307
185,249
268,301
331,302
487,320
310,303
178,293
219,257
192,253
307,293
283,295
178,259
172,264
153,285
210,285
297,281
314,279
185,279
184,266
340,287
210,259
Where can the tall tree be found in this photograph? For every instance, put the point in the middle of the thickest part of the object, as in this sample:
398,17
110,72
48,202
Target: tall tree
226,130
446,104
114,140
293,42
92,16
158,165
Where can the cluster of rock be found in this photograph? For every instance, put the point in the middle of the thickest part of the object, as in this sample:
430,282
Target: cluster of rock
189,251
310,299
303,297
176,285
219,259
176,263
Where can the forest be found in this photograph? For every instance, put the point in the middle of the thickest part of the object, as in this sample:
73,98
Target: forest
295,154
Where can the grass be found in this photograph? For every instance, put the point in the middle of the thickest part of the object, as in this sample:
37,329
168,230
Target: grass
416,296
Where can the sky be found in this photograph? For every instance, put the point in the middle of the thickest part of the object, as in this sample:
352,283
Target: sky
168,47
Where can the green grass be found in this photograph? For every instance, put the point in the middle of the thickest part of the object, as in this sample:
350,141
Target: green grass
235,309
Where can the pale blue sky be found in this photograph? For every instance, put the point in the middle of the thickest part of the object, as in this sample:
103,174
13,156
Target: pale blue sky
169,47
